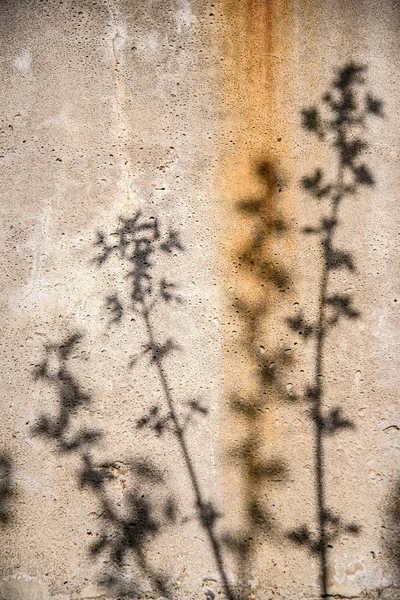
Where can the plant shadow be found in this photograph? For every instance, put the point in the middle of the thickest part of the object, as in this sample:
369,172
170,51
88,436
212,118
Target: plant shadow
134,498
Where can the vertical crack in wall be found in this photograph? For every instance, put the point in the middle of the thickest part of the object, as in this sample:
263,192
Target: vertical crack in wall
117,35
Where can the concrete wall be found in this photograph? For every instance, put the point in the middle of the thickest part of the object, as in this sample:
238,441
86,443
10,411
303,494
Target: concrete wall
199,293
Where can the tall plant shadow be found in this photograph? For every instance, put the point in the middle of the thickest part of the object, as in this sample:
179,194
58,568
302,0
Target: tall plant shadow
263,282
340,123
139,243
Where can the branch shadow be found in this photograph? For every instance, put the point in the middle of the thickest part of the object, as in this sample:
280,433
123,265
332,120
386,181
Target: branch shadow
128,524
263,282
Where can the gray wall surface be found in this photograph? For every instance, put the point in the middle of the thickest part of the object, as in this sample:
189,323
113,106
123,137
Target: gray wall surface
199,299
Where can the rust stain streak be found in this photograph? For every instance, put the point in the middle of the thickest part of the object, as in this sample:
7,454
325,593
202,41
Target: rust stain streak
256,182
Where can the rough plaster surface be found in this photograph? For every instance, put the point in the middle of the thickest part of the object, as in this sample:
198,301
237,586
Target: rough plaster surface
190,112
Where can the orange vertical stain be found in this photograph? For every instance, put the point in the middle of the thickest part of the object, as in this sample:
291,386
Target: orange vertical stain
256,182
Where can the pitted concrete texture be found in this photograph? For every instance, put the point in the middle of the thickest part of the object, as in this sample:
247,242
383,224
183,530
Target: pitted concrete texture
199,292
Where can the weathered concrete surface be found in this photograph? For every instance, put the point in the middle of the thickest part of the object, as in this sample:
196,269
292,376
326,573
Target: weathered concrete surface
122,425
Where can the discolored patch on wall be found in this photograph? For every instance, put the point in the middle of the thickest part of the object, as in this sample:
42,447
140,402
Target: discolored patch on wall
256,178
